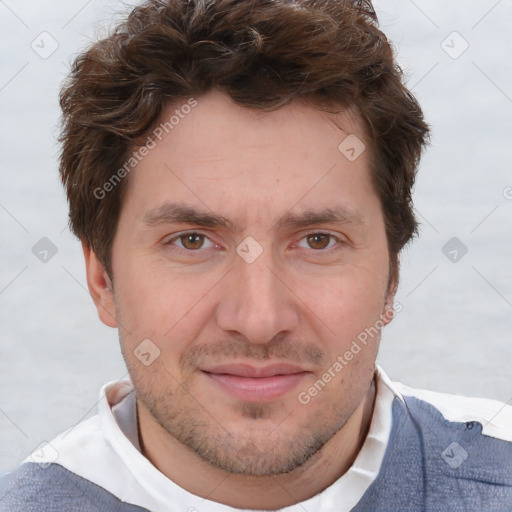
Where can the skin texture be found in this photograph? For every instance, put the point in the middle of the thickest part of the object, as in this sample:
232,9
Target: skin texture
303,300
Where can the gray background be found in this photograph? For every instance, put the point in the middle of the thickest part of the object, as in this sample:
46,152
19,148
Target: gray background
453,333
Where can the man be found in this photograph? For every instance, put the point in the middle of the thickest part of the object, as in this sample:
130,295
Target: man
240,175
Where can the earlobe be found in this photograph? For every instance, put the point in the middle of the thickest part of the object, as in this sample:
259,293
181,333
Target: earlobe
100,287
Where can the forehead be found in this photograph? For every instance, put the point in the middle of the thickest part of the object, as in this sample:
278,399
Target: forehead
220,124
218,154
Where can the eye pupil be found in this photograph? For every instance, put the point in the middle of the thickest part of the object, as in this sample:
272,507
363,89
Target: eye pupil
318,241
192,240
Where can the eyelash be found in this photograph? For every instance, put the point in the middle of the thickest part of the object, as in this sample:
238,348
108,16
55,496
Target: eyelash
185,233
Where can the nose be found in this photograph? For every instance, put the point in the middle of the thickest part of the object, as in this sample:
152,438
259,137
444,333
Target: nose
257,303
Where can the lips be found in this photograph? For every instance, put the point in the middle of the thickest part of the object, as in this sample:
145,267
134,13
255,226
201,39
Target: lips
244,370
250,383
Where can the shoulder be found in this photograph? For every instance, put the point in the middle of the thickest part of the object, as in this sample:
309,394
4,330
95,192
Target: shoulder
445,452
458,441
495,417
34,487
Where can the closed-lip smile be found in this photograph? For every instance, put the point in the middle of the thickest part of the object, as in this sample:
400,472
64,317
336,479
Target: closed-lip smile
253,383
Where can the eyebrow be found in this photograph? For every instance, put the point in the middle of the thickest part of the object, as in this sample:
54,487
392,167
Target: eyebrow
169,213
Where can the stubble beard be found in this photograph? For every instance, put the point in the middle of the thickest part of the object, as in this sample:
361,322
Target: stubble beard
253,452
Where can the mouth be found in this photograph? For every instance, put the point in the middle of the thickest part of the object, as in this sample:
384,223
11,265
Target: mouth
250,383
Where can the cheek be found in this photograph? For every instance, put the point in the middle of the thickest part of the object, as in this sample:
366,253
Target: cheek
355,297
349,308
160,306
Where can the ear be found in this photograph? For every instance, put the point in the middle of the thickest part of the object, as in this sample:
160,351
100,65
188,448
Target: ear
389,311
100,287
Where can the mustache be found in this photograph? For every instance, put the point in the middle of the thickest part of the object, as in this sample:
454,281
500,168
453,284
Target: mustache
237,347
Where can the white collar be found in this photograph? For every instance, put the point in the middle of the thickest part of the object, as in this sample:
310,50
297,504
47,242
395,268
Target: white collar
343,495
100,451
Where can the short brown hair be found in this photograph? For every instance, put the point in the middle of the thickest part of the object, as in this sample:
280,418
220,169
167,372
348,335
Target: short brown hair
263,54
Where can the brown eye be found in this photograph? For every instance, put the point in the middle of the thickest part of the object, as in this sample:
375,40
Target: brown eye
192,240
318,240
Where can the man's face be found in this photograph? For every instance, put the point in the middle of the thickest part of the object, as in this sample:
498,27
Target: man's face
252,305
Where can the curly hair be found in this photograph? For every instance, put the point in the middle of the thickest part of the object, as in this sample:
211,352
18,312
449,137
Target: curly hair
264,54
